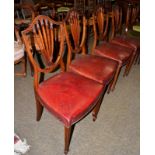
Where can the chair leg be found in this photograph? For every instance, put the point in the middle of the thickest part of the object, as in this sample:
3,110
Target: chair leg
137,59
109,87
129,65
68,134
97,108
115,78
39,110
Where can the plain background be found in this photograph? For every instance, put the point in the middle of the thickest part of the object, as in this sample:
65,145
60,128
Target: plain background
147,77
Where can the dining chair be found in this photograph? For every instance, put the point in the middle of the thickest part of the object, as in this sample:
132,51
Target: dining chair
19,54
119,38
66,95
106,49
24,14
91,66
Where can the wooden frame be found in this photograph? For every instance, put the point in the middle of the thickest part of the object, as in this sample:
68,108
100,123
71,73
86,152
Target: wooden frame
42,32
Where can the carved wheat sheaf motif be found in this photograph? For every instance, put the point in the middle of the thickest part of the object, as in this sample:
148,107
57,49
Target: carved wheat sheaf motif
75,28
100,20
44,39
117,12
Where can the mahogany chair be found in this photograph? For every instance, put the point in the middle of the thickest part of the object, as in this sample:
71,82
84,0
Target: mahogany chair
19,54
91,66
23,16
112,51
122,39
66,95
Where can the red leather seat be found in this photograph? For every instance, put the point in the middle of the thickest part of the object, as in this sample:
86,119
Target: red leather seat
94,67
69,96
124,40
127,41
114,52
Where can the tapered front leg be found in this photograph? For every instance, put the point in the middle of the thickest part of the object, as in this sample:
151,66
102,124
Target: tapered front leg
67,136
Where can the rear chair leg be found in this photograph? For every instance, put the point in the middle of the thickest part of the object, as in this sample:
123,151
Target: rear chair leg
137,59
115,78
109,87
39,110
129,65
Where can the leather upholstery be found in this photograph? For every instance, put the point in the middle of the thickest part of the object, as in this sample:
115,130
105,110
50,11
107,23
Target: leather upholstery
127,41
69,96
114,52
94,67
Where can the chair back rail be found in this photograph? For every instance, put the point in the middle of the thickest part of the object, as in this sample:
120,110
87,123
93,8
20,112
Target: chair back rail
116,20
75,31
100,26
42,34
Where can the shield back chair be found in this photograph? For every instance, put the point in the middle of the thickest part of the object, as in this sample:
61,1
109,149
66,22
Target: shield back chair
19,54
103,48
66,95
122,39
24,14
94,67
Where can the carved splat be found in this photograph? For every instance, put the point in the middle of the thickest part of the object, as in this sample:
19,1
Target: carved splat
102,21
75,34
73,20
117,15
42,37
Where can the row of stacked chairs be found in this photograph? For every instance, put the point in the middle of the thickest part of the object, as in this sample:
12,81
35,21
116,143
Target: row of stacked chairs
84,77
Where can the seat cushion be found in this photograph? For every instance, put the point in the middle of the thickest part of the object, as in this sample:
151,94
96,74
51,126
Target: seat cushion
69,96
127,42
114,52
94,67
